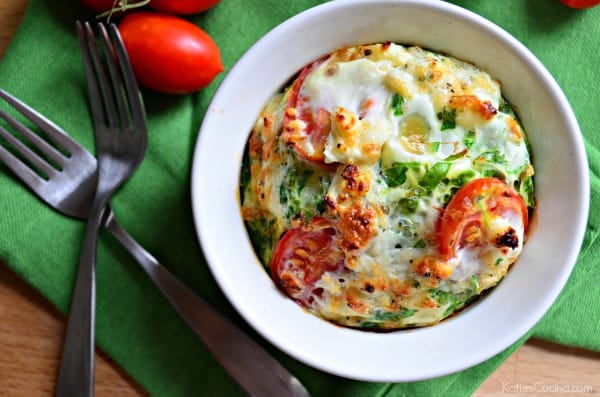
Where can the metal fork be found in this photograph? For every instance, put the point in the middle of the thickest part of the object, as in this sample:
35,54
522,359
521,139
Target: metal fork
120,140
69,192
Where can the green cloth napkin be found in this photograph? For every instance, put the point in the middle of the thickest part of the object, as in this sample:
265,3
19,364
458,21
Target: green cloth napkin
135,325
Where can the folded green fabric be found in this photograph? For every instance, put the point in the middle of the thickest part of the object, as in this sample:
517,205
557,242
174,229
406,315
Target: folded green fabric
135,325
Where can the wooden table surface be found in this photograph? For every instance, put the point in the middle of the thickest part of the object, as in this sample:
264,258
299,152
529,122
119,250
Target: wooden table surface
31,333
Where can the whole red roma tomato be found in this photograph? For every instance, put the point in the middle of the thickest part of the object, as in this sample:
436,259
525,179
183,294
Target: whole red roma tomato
169,6
169,54
182,6
580,3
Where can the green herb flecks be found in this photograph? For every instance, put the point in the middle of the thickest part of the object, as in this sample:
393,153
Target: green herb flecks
396,175
409,204
505,107
420,244
463,178
397,101
493,156
382,317
448,119
469,139
444,298
435,174
245,174
262,236
526,191
302,193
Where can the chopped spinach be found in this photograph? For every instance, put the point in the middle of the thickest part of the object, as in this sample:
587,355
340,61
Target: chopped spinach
408,205
397,101
435,174
494,156
420,244
493,173
382,316
444,298
526,191
475,282
396,174
463,178
302,196
448,118
469,139
410,202
261,235
245,173
505,107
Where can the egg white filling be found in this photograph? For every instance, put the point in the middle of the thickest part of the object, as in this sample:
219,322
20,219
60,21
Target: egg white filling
415,125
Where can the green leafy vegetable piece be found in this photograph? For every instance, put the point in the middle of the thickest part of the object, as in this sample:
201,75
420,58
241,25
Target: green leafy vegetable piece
420,244
382,316
469,139
444,298
245,173
494,156
526,191
261,235
463,178
491,173
408,205
435,174
448,118
397,101
396,174
475,282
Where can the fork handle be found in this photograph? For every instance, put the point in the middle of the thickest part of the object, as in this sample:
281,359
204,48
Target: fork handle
76,374
257,372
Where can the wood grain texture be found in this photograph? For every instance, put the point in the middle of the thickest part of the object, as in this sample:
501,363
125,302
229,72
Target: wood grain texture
31,334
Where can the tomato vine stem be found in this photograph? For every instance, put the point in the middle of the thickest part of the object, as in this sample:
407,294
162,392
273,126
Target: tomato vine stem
122,5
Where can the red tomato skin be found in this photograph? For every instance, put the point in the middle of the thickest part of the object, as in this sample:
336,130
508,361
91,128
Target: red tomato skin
460,212
580,3
169,54
183,7
317,120
302,255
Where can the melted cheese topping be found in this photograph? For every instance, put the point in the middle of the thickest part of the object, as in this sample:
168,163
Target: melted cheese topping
378,140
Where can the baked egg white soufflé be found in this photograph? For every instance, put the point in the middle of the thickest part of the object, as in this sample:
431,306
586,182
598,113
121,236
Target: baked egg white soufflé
388,186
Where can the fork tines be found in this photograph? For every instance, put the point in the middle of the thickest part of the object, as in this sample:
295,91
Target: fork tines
32,152
110,48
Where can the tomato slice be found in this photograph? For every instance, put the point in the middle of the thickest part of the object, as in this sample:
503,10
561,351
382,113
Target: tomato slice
309,142
303,255
465,215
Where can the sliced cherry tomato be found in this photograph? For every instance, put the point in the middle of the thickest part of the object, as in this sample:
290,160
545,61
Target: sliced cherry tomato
465,214
183,7
317,121
168,53
580,3
303,255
